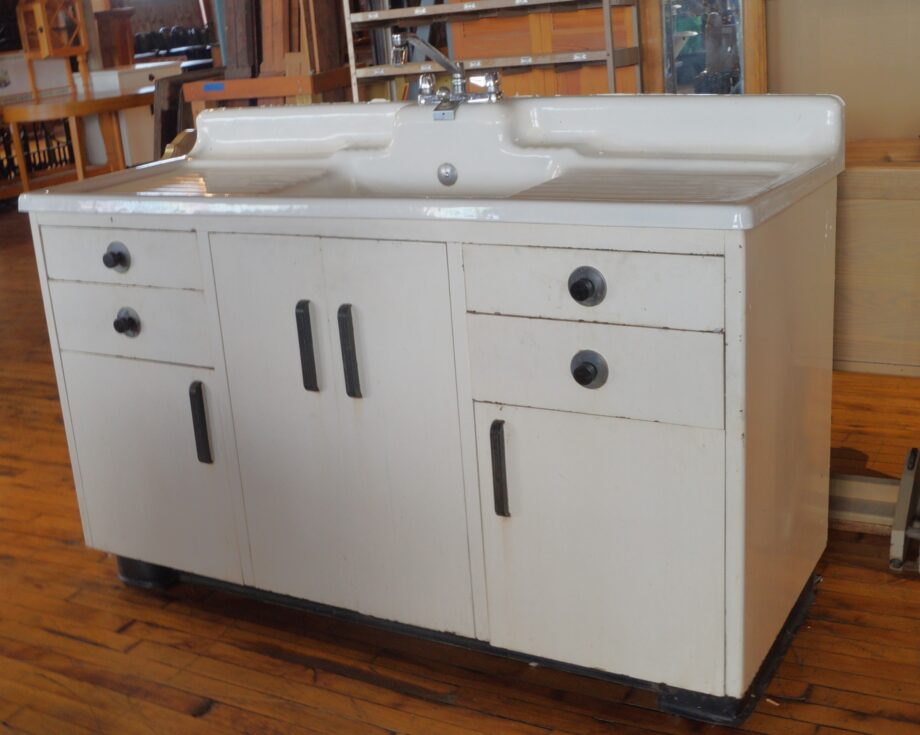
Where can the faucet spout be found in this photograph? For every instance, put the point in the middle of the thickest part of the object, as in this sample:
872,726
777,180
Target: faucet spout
400,56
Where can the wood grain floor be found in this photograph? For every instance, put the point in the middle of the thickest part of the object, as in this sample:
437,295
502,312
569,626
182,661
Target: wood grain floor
875,421
79,653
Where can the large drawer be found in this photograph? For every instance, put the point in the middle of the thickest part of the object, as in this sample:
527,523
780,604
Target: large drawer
643,289
654,374
173,324
157,258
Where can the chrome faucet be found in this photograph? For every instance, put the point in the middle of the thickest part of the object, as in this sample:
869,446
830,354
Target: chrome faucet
446,100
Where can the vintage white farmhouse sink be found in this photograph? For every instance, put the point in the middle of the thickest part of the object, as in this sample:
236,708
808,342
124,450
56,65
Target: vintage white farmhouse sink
572,407
740,159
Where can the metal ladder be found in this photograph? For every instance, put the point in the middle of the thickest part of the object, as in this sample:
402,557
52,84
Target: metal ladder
906,524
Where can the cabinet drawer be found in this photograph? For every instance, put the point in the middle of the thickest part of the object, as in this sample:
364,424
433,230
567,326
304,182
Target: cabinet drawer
654,374
643,289
173,324
168,259
145,75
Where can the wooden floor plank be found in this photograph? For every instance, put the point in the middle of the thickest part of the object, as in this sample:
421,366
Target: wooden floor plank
81,653
34,722
875,419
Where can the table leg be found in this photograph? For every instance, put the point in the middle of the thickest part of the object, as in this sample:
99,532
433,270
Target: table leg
111,134
70,82
83,66
19,156
79,146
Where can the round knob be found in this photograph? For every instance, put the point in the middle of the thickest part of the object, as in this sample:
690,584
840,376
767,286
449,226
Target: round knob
117,257
113,259
587,286
584,373
127,322
124,324
582,289
589,369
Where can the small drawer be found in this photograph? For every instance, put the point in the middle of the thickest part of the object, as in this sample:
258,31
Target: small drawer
173,324
653,374
130,81
642,289
155,258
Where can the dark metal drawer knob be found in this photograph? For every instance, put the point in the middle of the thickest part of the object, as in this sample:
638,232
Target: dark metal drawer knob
117,257
587,285
589,369
127,322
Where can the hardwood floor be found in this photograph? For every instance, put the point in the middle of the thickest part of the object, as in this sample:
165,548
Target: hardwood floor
875,421
80,653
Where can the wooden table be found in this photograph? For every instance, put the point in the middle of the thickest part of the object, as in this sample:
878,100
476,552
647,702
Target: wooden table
73,110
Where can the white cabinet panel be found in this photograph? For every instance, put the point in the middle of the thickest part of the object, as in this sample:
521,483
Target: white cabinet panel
148,496
402,438
655,374
287,437
643,289
354,502
612,555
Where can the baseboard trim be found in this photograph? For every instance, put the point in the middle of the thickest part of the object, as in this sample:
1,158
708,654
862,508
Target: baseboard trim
863,500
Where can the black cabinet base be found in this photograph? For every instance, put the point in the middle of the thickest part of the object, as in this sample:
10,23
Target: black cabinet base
144,575
730,711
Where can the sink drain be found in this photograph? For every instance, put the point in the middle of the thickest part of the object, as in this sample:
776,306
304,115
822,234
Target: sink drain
447,174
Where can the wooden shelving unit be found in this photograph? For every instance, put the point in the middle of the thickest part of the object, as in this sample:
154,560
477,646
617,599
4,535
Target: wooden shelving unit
386,19
469,10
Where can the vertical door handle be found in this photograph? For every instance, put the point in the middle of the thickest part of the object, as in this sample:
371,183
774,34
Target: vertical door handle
305,342
499,473
200,422
349,354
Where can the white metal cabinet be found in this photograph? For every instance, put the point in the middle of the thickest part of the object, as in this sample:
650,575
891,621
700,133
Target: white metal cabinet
148,496
614,547
356,502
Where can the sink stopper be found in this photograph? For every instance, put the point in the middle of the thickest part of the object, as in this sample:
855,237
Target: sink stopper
447,174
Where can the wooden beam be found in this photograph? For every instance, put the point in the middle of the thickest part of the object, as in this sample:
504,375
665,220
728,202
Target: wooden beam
240,56
651,35
754,35
243,89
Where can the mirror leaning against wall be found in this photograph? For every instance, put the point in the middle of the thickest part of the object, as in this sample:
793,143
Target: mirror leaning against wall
702,46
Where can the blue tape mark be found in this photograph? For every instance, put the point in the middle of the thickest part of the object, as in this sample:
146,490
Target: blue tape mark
214,87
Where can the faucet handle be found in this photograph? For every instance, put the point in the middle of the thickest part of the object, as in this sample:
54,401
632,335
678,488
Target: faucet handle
399,53
493,83
426,83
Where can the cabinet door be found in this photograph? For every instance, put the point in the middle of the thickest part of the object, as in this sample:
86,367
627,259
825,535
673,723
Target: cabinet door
612,555
287,436
402,479
148,495
352,502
